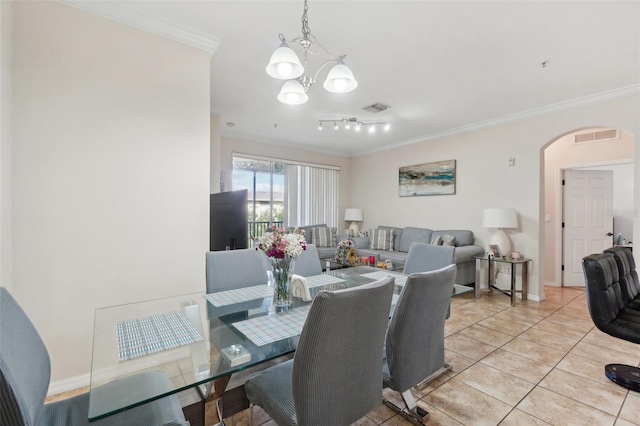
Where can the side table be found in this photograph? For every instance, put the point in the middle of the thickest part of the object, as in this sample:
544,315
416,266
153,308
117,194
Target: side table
524,270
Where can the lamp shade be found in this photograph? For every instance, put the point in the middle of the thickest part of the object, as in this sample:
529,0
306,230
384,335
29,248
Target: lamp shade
292,93
353,214
340,79
500,218
284,64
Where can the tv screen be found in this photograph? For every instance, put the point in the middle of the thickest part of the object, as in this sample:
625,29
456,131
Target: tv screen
228,220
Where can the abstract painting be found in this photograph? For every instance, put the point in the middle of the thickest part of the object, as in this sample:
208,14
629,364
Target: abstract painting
438,178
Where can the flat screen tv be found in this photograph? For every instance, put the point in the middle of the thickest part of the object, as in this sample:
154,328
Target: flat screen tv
228,220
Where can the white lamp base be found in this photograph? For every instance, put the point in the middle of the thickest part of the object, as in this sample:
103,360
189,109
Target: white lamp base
353,228
501,239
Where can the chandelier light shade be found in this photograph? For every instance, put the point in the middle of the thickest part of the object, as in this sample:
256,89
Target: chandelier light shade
500,218
285,64
292,93
340,79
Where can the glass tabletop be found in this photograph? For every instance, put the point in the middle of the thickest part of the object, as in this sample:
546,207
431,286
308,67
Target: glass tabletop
198,338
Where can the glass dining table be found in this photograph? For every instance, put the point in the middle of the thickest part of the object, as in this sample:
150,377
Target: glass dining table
200,340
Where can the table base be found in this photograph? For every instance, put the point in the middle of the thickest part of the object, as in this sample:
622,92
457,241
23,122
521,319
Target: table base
512,292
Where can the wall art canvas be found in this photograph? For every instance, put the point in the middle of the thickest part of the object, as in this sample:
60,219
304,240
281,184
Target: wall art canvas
437,178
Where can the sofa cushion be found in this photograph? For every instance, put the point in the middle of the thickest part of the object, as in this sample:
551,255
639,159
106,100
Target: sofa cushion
448,240
324,236
326,253
397,234
436,240
382,239
308,231
413,235
463,237
467,253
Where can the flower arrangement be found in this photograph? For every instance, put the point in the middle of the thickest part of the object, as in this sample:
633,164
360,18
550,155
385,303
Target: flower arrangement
281,247
279,243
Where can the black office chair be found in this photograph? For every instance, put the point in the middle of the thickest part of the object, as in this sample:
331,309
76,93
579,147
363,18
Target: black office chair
611,314
629,282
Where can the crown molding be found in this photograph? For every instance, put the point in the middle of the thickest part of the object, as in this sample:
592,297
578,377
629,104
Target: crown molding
119,12
596,98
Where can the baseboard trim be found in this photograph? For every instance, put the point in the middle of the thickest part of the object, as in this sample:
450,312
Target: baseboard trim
535,297
69,384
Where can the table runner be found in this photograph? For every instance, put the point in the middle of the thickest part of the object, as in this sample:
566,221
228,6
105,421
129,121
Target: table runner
145,336
323,279
238,295
268,329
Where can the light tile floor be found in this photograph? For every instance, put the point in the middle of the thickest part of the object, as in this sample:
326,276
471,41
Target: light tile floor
537,363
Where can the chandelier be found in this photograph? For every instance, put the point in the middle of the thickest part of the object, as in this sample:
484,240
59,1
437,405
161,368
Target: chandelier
355,124
285,65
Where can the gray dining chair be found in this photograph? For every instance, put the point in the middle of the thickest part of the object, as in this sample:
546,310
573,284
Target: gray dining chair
427,257
308,263
335,376
414,347
232,269
25,370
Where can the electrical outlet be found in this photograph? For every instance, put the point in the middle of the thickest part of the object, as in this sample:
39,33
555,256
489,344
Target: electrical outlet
507,269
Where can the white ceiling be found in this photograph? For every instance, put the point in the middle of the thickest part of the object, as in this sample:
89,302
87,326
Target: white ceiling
442,66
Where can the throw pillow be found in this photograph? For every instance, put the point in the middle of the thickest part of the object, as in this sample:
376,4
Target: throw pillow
323,236
448,240
382,239
436,241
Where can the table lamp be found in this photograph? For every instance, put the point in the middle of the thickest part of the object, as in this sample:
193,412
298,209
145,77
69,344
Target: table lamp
353,215
500,218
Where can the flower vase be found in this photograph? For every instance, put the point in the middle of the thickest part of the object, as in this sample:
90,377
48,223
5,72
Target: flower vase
282,272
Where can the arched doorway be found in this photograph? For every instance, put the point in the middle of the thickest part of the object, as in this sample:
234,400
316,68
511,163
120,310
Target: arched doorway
595,148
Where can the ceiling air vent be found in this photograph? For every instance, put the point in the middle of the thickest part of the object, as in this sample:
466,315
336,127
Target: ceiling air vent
599,136
377,107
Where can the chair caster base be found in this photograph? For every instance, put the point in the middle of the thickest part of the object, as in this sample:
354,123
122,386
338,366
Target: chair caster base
625,375
416,416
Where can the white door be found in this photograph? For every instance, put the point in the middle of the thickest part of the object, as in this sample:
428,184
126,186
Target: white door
587,219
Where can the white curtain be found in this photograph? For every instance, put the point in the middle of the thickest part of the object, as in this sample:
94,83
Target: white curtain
311,196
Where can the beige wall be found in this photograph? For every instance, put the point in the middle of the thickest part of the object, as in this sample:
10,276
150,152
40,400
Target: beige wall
564,154
6,135
216,144
110,171
229,146
484,178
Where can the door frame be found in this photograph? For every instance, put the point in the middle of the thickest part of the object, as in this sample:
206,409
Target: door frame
559,201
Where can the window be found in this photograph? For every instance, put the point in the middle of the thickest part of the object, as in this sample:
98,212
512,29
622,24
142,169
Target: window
286,193
311,195
264,181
